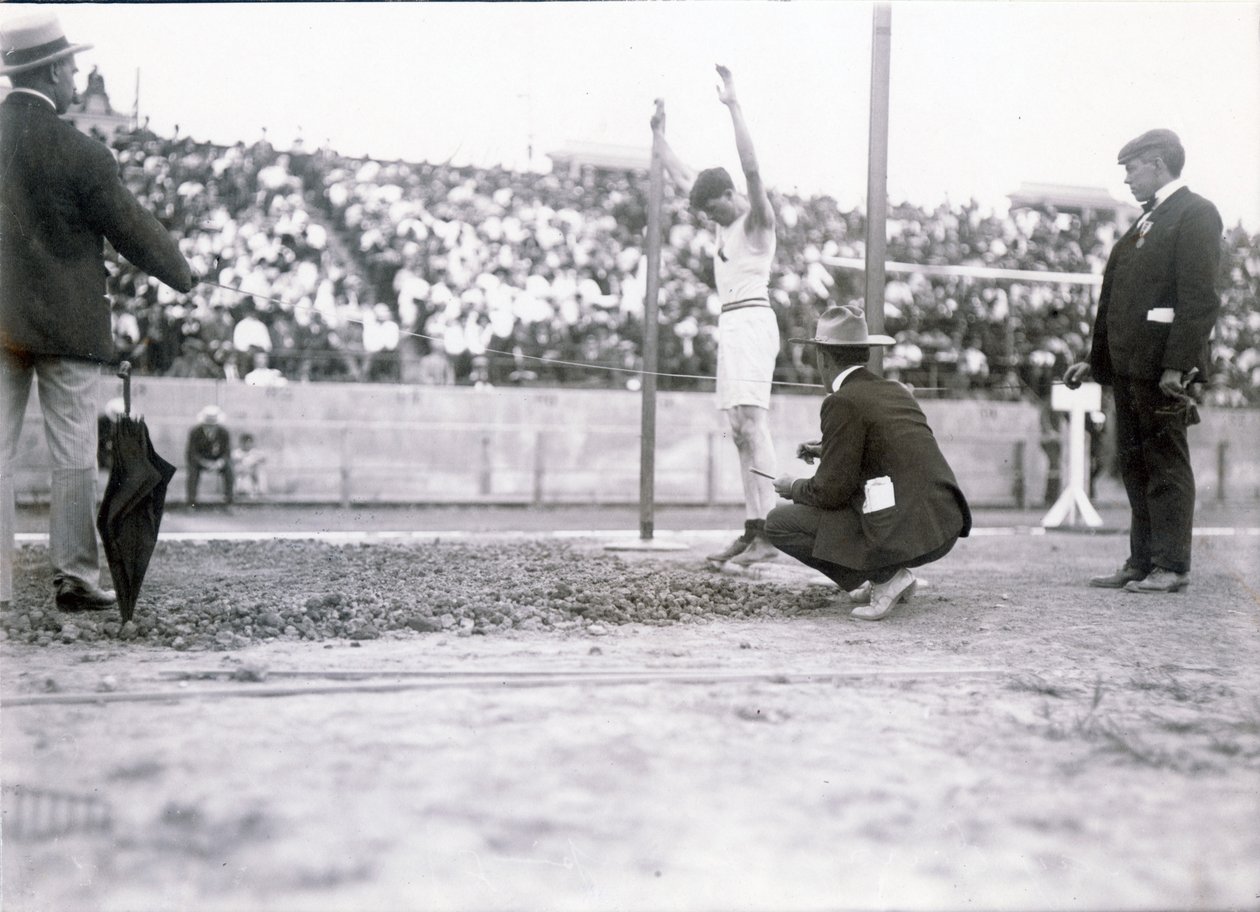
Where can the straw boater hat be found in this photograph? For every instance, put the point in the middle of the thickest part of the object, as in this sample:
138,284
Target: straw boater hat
211,414
844,326
31,41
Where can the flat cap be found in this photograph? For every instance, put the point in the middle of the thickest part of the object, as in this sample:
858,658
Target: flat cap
1150,141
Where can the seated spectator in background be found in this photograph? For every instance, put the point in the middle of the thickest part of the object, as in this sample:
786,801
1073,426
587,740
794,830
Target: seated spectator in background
435,367
125,329
105,422
249,336
195,361
209,450
262,375
247,465
381,335
479,376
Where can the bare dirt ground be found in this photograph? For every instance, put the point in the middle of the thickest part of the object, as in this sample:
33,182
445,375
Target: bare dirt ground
1008,740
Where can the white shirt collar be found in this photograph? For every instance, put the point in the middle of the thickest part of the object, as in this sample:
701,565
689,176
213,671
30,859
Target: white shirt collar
840,377
1168,190
38,94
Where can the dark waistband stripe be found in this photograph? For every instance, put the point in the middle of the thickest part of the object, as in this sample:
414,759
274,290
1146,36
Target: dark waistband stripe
745,302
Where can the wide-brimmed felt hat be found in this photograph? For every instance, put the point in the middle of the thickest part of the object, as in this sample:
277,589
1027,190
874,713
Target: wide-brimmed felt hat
31,41
844,326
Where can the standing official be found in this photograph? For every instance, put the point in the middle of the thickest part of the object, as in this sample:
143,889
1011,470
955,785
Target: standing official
1156,312
748,330
61,197
884,499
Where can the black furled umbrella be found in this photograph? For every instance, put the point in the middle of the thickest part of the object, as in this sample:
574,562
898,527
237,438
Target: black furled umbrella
135,496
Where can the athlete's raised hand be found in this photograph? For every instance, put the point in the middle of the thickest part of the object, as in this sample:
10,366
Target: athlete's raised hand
726,91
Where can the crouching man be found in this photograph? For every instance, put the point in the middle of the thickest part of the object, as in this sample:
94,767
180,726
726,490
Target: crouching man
883,499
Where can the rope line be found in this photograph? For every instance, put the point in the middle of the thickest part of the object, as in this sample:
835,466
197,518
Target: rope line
515,355
581,364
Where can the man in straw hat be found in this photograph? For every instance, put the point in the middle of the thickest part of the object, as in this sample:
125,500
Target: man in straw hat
883,499
1156,310
209,449
60,198
748,331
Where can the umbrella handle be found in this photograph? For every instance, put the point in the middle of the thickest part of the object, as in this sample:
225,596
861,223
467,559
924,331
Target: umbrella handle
124,371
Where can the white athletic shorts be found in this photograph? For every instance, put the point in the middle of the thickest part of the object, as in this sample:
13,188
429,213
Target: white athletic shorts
748,345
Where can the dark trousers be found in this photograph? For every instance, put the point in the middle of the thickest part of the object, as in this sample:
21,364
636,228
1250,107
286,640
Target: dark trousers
1154,457
194,478
793,529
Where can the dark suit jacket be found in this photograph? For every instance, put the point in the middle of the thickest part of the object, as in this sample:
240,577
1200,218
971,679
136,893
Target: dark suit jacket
60,197
208,443
873,427
1172,265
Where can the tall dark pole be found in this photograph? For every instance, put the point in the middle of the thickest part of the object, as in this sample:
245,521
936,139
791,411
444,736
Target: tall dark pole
877,178
647,449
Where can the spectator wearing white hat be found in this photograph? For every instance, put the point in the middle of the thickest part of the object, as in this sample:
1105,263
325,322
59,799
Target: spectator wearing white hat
209,450
61,197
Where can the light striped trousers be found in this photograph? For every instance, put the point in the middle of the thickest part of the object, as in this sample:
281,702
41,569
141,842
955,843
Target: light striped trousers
67,398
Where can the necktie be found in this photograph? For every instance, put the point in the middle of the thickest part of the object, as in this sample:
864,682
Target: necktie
1148,205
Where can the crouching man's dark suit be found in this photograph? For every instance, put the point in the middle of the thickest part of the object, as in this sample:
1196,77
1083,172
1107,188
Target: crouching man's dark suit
872,428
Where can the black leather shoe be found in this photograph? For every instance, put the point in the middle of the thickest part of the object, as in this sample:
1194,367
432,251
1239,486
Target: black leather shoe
1119,579
80,595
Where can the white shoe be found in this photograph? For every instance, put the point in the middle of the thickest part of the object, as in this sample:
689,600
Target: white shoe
861,595
758,550
884,597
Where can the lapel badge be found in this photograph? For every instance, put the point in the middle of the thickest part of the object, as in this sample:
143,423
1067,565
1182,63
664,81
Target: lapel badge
1145,228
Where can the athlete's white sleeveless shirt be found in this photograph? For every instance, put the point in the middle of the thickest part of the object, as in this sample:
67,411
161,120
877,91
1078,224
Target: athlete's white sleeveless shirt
741,264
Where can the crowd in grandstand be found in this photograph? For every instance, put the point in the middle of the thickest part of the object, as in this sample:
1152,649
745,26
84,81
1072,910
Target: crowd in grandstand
321,267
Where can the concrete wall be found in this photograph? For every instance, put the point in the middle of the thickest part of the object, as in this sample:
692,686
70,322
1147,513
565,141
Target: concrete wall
333,442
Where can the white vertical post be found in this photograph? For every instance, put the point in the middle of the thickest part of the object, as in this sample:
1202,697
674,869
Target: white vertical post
1073,503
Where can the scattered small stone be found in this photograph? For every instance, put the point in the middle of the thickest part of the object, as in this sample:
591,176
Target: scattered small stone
214,597
253,673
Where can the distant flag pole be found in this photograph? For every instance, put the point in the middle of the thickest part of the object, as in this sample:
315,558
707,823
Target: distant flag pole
877,178
135,104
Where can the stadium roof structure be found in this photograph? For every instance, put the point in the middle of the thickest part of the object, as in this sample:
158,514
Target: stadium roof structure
608,156
1068,198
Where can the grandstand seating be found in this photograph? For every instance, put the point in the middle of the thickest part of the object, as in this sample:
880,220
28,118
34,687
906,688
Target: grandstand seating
359,269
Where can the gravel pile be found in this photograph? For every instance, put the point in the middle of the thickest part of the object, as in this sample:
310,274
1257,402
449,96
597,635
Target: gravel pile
224,595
